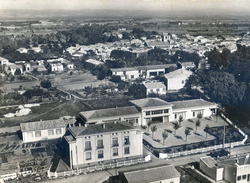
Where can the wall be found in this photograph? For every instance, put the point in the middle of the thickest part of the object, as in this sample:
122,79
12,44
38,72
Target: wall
214,173
175,83
172,180
136,148
162,91
44,135
229,174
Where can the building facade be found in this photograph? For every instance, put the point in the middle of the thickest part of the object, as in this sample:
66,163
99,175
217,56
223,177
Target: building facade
156,87
103,143
42,130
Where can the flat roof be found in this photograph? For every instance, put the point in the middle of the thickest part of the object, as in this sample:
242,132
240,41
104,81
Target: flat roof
209,161
154,85
178,73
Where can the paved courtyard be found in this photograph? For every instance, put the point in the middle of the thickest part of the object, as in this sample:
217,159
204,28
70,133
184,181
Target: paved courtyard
180,137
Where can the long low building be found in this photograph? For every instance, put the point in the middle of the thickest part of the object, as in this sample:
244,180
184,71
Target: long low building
151,109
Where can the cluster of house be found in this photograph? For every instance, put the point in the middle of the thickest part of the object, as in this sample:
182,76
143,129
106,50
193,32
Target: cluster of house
109,134
21,66
236,170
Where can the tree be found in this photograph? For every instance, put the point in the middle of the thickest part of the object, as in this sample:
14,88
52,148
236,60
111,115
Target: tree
164,135
168,131
206,129
45,83
180,119
197,124
199,115
188,132
153,129
176,126
17,72
149,122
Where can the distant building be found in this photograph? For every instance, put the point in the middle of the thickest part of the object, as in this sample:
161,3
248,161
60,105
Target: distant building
12,68
127,73
177,79
155,87
187,65
56,67
42,130
91,63
4,61
70,66
161,174
102,143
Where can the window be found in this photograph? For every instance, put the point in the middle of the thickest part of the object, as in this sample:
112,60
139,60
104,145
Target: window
136,120
30,134
88,155
147,113
157,112
151,90
50,132
38,134
157,90
100,154
100,144
88,145
132,76
244,176
115,152
58,131
126,150
182,81
239,178
126,140
193,113
115,142
175,116
166,110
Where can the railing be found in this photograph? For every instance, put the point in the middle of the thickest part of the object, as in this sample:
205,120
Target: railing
115,145
88,148
100,167
127,143
100,147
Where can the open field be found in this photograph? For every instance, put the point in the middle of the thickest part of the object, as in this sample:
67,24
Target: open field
47,111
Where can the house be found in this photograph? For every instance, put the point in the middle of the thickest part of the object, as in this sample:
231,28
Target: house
12,68
177,79
22,50
56,67
191,108
187,65
70,66
149,71
235,170
153,109
154,87
102,143
127,73
91,63
210,167
129,114
4,61
43,130
161,174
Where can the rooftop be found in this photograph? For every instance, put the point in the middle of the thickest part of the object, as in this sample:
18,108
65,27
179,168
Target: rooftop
100,128
123,69
42,125
236,161
149,102
154,85
148,67
209,161
191,103
94,62
152,174
110,112
178,73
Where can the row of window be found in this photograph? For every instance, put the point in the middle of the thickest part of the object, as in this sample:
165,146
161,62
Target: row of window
243,177
100,144
157,112
39,133
157,90
100,154
194,113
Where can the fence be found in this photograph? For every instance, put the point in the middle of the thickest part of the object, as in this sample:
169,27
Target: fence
210,148
99,167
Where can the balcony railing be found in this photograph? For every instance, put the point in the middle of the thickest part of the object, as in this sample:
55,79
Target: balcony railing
88,148
115,154
100,147
115,145
127,143
100,156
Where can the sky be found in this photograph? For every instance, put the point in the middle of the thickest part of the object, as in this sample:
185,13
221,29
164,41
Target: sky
225,5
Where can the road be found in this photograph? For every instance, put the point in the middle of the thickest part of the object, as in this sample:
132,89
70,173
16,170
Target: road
99,177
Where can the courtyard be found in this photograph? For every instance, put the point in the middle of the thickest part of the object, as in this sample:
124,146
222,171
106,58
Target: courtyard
156,139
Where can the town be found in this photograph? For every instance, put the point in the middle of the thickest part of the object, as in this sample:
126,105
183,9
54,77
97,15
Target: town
124,99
